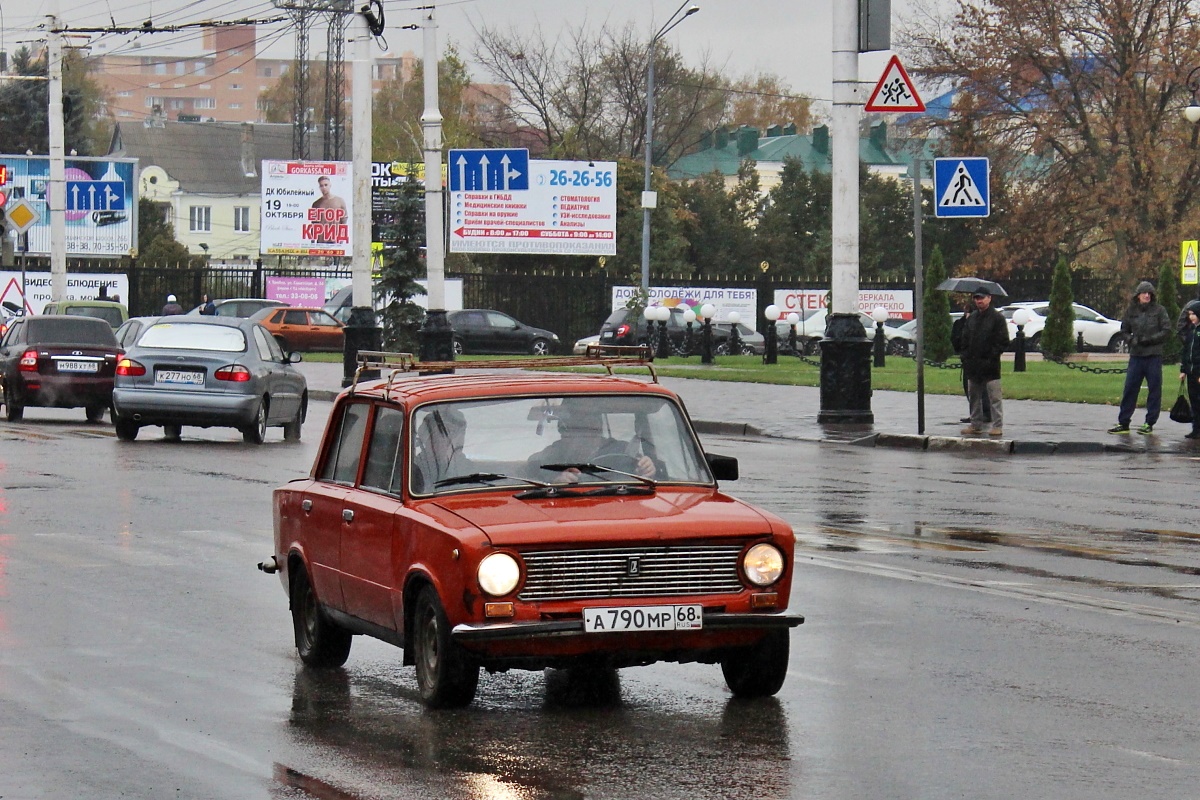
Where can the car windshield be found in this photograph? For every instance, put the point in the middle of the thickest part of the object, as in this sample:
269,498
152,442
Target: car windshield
519,442
196,336
109,314
51,329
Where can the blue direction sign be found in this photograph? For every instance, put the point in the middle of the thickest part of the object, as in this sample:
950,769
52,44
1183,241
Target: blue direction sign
491,170
961,187
95,195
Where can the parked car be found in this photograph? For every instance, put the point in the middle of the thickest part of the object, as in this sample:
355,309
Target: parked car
244,307
111,312
302,329
206,372
524,522
58,361
581,345
131,330
812,329
483,331
626,327
1099,332
8,312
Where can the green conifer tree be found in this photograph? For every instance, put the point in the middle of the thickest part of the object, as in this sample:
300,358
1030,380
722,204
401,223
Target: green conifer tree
1168,298
1058,337
935,324
402,265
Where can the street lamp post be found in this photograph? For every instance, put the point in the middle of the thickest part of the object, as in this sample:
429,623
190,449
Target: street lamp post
793,321
1192,114
771,356
880,315
649,198
689,319
707,312
664,340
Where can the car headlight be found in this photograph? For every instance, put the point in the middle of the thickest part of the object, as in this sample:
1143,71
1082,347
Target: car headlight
763,564
498,574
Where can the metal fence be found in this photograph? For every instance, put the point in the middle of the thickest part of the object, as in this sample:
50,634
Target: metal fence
573,304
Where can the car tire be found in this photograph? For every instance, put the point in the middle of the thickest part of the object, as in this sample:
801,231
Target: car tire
1034,345
127,429
760,669
748,350
13,410
1119,343
320,641
446,677
540,347
291,430
95,412
721,349
457,345
256,432
172,432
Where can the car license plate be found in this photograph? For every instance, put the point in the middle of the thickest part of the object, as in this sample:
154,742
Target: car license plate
177,376
606,335
78,366
642,618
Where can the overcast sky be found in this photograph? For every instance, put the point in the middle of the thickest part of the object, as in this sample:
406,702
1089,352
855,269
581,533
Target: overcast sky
790,38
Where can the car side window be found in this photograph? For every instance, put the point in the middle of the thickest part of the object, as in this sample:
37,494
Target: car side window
262,343
497,320
383,470
341,465
323,319
295,318
277,317
16,334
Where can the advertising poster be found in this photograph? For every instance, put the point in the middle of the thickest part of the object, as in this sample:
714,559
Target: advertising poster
101,202
80,286
306,208
898,302
503,202
743,301
304,292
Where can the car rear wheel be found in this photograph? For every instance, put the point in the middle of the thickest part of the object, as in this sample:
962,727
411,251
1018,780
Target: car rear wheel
291,430
127,429
445,675
320,642
1118,343
13,410
256,432
540,347
760,669
95,412
1035,343
458,347
172,432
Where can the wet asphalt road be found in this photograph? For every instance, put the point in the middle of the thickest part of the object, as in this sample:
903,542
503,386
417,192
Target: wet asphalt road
1015,627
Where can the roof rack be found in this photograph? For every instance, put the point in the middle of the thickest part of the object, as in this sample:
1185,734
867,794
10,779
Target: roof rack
607,356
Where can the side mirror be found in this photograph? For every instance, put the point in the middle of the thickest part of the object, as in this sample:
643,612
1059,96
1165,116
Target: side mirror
724,468
293,357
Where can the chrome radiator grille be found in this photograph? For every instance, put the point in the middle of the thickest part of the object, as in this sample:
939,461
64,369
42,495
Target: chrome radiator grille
631,572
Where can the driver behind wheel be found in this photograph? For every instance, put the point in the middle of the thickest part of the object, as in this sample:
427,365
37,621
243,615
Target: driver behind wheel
583,440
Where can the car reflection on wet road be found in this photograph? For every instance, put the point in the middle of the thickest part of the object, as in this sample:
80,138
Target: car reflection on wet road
1017,627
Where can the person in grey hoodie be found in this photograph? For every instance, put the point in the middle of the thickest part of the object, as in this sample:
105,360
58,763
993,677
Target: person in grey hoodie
1147,325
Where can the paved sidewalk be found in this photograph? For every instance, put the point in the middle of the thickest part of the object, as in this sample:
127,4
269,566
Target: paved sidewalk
1030,426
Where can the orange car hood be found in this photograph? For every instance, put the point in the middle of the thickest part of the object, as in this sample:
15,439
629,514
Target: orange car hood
669,514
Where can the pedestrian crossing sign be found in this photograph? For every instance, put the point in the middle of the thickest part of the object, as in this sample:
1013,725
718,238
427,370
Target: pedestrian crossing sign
961,187
1188,263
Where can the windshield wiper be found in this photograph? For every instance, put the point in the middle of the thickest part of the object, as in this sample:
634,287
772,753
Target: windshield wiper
485,477
596,469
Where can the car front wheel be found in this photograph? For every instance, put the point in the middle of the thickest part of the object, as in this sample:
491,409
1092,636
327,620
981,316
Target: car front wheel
458,347
256,432
127,429
291,430
1118,343
540,347
320,642
95,412
445,675
760,669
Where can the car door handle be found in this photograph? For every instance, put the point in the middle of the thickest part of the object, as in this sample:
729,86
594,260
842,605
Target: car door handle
306,506
348,514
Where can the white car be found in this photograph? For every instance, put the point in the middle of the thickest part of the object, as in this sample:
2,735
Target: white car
581,346
811,329
1099,332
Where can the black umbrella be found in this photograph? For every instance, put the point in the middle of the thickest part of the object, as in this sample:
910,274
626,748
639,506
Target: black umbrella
972,285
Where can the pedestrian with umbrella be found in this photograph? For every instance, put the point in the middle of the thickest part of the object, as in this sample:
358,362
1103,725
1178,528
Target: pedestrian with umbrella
984,338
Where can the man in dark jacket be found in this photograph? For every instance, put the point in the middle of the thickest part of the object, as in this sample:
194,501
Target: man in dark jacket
984,338
1147,326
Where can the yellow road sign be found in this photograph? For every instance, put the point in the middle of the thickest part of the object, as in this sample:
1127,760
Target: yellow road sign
22,215
1189,273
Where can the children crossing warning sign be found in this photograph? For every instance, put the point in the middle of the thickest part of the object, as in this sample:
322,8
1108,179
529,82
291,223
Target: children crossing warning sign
1189,274
961,187
895,91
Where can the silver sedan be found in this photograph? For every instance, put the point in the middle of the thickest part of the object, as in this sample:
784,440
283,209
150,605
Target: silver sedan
208,372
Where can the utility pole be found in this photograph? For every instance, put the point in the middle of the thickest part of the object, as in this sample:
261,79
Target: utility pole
57,189
437,337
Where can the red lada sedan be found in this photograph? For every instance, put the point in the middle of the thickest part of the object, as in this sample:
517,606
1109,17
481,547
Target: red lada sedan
526,521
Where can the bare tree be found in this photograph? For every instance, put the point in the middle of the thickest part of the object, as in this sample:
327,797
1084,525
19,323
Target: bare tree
1078,104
